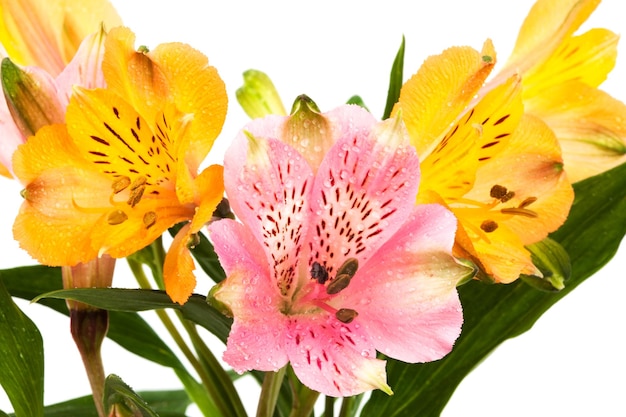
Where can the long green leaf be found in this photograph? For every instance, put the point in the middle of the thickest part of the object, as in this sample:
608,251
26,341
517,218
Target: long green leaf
21,358
395,81
165,403
494,313
127,329
195,309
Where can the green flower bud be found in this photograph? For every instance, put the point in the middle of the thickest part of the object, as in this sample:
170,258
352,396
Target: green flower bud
31,97
258,96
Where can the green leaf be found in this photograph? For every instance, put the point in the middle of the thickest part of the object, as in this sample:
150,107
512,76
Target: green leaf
21,366
358,101
121,401
195,309
395,81
127,329
165,403
493,313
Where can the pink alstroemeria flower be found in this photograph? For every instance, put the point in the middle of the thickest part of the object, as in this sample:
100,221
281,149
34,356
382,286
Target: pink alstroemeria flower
83,70
336,208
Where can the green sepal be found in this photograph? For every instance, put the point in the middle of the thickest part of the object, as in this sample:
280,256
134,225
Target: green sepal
553,262
22,361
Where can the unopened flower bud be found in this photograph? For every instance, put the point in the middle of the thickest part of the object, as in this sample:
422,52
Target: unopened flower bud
258,96
31,97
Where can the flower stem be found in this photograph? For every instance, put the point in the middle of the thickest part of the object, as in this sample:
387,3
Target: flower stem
329,407
269,392
224,392
88,327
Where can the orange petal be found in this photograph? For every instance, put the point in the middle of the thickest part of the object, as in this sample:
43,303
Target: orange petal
198,93
133,75
433,98
178,268
531,167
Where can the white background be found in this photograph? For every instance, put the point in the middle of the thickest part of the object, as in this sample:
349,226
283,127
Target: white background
571,363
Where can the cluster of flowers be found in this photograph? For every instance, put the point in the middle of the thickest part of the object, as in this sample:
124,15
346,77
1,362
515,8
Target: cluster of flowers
351,234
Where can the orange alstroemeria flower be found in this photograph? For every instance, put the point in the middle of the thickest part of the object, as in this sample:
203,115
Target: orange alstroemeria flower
497,169
46,33
123,168
560,74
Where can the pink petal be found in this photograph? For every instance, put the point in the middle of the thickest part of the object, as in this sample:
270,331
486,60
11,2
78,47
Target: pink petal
255,340
85,68
364,189
10,136
268,184
333,358
406,294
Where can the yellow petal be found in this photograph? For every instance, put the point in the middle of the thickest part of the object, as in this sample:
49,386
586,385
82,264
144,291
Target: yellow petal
590,126
587,58
547,25
477,136
47,34
433,98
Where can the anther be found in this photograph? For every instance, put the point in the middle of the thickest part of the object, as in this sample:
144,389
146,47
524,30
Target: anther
319,272
135,196
349,267
149,219
120,184
338,284
193,241
498,191
346,315
527,202
116,217
489,226
519,211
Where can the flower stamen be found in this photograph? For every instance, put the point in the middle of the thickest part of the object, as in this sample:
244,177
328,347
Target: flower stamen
346,315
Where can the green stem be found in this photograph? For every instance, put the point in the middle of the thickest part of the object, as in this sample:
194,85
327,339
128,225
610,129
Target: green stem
141,278
222,389
89,327
329,407
304,402
269,392
349,405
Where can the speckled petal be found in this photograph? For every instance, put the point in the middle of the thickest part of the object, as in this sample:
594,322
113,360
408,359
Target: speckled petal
364,189
406,294
334,358
255,340
268,184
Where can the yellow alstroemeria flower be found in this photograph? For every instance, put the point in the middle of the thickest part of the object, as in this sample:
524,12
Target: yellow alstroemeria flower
46,33
123,168
560,74
497,169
